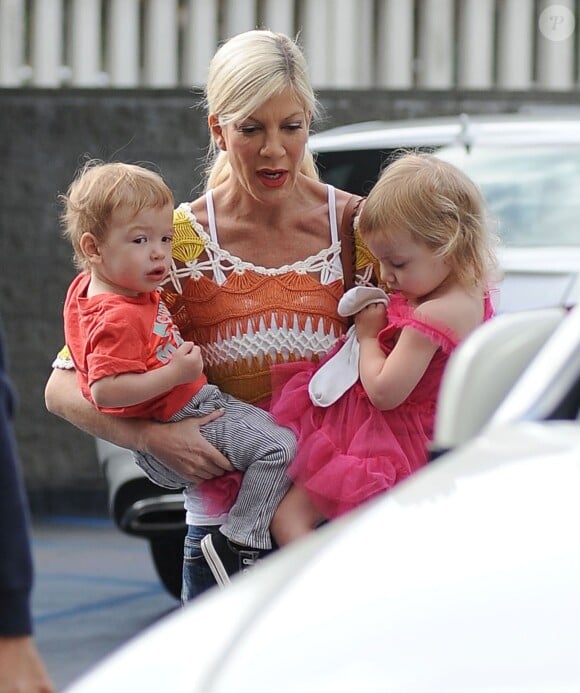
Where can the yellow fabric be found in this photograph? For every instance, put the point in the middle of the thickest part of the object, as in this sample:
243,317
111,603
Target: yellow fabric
187,245
363,256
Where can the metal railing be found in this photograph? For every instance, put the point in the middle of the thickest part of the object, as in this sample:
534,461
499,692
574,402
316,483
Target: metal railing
382,44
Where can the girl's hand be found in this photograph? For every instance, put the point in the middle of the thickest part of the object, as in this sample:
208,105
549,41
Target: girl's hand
181,447
370,321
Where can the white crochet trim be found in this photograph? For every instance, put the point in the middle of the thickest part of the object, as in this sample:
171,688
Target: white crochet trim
326,261
270,341
365,278
63,364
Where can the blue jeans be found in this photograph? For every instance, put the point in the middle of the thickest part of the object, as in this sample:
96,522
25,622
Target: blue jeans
197,577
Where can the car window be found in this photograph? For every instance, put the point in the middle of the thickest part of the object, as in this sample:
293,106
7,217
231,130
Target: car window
533,193
356,170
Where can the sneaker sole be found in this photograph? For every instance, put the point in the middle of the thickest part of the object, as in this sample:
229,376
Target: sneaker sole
213,560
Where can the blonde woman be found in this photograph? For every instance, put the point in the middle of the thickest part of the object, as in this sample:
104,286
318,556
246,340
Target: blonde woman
257,273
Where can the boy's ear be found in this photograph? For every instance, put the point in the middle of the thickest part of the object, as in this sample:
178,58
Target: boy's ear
90,247
216,131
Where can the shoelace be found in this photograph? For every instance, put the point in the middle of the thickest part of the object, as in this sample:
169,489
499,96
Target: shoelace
248,561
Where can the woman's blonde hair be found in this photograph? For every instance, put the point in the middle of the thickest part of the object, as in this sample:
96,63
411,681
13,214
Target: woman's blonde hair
438,205
98,190
245,72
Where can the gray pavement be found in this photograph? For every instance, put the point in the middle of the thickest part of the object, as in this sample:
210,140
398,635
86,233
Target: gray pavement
95,588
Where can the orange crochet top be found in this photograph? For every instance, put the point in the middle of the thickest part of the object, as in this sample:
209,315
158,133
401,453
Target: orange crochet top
246,318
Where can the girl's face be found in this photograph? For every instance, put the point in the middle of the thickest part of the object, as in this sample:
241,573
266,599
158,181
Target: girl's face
408,266
136,253
266,149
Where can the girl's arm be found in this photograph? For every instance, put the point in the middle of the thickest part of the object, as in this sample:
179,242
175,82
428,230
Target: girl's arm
179,445
389,380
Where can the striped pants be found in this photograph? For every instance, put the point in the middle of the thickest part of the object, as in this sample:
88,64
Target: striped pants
254,444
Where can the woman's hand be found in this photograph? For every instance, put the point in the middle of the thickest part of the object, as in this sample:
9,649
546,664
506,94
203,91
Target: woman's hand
181,447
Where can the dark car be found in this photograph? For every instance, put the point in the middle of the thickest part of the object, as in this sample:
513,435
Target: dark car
529,170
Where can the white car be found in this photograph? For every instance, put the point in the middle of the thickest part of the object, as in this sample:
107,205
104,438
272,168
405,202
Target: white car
465,577
528,168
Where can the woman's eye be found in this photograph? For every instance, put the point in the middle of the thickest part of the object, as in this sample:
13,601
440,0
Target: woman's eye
248,129
293,126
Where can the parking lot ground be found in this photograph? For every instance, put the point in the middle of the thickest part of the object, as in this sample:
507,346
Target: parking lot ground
95,588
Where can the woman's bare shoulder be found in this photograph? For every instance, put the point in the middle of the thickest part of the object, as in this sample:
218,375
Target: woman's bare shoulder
199,210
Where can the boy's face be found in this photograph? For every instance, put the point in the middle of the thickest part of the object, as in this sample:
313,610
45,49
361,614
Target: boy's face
136,254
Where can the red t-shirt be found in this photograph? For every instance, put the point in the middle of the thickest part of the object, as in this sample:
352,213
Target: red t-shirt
109,334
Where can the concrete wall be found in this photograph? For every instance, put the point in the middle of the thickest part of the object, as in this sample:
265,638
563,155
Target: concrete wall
45,135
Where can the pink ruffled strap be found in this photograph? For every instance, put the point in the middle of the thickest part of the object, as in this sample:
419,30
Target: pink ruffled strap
402,315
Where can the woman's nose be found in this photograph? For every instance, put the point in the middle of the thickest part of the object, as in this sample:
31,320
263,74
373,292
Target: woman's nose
272,146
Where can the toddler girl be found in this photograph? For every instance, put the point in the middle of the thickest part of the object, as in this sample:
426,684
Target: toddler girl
425,222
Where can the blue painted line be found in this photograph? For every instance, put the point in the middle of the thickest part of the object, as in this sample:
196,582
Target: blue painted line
94,579
99,545
75,521
96,606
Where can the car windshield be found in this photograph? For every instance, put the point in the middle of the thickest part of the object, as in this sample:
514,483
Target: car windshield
533,192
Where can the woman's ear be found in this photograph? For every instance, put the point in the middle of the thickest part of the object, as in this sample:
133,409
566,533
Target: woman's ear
90,248
216,131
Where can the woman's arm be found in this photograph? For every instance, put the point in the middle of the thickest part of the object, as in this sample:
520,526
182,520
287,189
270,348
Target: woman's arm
179,445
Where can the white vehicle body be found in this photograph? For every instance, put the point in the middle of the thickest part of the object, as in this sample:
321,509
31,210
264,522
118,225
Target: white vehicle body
462,578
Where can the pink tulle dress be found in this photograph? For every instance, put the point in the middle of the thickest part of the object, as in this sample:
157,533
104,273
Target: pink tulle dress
351,451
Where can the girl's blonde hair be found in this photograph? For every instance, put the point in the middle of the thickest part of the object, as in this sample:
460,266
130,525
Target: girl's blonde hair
438,205
245,72
98,190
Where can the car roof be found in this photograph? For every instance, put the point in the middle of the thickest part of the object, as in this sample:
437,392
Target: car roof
493,130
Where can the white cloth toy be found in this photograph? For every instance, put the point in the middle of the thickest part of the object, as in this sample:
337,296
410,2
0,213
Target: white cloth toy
341,372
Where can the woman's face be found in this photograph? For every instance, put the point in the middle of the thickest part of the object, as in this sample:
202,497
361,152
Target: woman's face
266,149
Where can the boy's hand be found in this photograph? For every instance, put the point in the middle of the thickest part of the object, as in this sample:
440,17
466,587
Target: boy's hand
186,363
